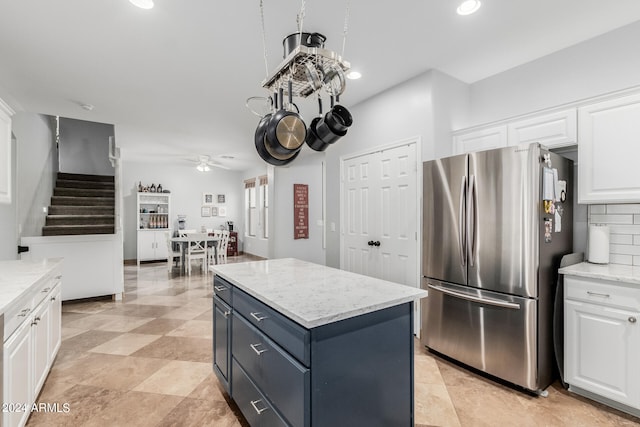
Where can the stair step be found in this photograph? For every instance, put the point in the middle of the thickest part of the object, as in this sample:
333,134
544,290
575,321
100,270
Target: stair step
75,183
85,177
62,230
83,192
81,210
80,220
82,201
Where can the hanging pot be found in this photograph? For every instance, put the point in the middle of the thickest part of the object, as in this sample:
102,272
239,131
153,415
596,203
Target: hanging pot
286,130
292,41
268,156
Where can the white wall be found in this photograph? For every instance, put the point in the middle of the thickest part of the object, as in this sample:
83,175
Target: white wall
36,169
8,232
600,65
306,169
186,185
84,147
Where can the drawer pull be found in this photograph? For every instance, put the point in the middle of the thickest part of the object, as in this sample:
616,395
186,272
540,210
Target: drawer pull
254,348
24,312
258,316
254,403
220,288
45,290
632,319
596,294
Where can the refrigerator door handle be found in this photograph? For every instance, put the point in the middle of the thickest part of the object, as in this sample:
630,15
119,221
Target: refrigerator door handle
462,233
472,220
488,301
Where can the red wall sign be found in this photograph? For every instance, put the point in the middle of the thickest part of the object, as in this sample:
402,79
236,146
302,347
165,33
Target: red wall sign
300,211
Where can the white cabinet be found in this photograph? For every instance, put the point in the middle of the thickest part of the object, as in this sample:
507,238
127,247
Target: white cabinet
609,150
154,219
152,245
602,341
553,130
5,152
479,139
30,348
17,372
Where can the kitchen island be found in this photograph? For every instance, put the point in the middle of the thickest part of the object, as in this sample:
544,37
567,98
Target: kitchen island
301,344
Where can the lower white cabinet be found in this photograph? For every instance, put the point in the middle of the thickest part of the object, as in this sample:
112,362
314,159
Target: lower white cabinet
602,341
29,351
152,245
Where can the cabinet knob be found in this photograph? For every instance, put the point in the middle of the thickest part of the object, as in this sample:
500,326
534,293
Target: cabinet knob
632,319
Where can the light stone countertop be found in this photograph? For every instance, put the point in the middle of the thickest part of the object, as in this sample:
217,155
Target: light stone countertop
16,277
314,295
613,272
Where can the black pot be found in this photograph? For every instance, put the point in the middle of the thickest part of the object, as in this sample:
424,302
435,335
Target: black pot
313,140
263,150
286,131
294,40
339,119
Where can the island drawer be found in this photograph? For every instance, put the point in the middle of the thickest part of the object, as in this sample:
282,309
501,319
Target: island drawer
222,289
289,335
45,289
18,312
283,380
253,404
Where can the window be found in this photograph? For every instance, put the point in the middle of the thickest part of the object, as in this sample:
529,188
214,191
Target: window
250,207
264,204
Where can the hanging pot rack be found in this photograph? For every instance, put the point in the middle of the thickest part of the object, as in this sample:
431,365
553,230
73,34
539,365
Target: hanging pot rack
294,68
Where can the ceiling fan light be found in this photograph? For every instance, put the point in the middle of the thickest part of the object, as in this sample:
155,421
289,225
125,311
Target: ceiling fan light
468,7
353,75
142,4
202,167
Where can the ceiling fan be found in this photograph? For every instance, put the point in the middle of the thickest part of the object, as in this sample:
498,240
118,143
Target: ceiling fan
204,164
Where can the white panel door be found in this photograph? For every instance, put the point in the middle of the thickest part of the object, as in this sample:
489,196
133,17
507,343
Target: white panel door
361,184
380,199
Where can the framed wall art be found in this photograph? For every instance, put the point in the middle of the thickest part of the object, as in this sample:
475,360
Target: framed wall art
207,198
205,211
221,198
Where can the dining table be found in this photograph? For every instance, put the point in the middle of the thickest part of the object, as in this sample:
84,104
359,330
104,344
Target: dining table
183,241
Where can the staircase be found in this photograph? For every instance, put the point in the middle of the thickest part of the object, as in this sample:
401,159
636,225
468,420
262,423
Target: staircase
81,204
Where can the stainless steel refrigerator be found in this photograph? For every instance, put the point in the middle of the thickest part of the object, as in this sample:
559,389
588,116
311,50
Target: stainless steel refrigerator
496,224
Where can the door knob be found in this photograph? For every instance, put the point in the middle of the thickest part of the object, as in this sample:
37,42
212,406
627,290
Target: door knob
370,243
376,243
632,319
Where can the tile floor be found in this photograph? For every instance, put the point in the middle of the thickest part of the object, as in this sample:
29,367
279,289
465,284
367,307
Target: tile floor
146,361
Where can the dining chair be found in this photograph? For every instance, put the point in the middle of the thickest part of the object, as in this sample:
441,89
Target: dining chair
172,255
211,251
183,233
222,247
197,249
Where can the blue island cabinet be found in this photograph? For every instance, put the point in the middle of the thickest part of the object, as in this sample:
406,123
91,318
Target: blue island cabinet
353,372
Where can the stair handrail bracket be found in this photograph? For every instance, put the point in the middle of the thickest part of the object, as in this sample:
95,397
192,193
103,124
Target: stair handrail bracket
293,68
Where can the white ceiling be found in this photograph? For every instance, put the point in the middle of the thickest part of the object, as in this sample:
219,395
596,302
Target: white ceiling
174,79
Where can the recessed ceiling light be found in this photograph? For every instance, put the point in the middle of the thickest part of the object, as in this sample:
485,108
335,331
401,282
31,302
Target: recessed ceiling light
353,75
143,4
468,7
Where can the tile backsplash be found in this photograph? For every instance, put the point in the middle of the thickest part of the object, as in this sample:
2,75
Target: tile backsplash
624,228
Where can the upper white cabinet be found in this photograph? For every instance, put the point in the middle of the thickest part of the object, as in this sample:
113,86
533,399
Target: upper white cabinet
553,130
5,152
609,150
480,139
